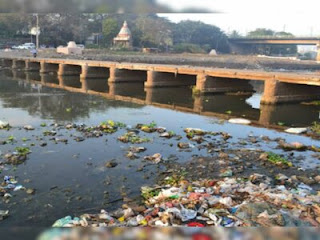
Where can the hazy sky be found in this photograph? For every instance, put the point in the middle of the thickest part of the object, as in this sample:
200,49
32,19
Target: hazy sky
296,16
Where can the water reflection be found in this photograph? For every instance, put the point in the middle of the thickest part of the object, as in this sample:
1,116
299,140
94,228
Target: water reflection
231,104
247,106
127,89
49,103
289,114
181,96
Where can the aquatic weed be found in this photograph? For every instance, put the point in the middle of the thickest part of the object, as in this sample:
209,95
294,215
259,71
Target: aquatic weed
148,193
278,160
313,103
22,150
195,91
11,139
111,126
315,127
131,137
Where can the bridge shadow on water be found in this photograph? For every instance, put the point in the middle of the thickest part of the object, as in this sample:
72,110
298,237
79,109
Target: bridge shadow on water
225,106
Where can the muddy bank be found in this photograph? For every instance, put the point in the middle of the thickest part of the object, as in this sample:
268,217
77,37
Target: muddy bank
221,61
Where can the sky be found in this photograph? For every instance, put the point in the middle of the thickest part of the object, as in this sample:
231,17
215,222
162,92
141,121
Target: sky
298,17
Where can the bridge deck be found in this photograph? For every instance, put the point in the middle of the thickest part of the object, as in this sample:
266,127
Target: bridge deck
309,78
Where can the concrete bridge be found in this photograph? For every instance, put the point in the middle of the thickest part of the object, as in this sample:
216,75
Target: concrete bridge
280,87
241,45
266,116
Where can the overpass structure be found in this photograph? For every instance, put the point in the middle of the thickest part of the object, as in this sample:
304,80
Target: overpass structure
241,45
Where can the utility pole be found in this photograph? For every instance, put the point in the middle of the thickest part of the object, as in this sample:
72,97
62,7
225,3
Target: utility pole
37,32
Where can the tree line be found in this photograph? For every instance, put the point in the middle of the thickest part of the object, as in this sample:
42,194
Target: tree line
148,30
269,49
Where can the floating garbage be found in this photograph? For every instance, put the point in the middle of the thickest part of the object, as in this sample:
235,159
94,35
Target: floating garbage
4,214
296,130
195,131
28,127
240,121
230,202
295,146
182,145
156,158
4,125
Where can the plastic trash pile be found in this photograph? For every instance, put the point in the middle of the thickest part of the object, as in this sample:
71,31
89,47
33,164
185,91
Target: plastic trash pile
229,202
9,184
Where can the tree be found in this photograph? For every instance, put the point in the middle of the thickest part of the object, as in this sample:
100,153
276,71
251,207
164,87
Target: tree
272,49
201,34
261,32
110,28
153,31
235,34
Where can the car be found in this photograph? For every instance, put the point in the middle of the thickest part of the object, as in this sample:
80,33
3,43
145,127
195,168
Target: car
26,46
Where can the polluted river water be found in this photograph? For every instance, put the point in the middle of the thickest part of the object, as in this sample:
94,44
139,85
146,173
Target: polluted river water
68,173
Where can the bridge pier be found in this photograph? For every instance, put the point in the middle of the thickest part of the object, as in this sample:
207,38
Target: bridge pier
117,75
165,79
207,84
126,89
33,76
84,84
198,104
48,67
32,66
70,81
94,72
7,63
281,92
69,70
18,64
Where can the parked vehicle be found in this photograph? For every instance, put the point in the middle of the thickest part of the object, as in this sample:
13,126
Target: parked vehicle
25,46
